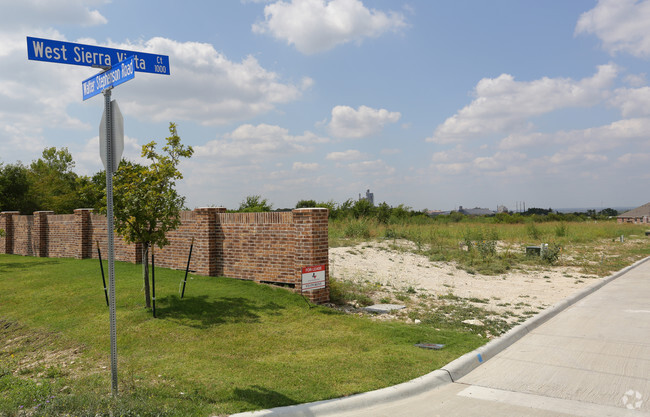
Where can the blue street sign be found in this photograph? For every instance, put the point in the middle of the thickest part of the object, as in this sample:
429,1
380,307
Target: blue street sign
90,55
120,73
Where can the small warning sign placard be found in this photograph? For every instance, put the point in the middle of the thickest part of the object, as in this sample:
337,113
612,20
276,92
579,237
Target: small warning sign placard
313,277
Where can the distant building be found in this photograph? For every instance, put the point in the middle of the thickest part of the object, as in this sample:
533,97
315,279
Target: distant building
502,209
434,213
370,197
639,215
476,211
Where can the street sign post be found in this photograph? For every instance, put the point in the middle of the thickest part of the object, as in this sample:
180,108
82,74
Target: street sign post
120,66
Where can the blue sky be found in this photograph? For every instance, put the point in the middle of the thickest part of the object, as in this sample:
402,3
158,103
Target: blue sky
429,104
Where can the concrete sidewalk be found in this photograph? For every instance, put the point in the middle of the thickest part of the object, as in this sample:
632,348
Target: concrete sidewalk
587,356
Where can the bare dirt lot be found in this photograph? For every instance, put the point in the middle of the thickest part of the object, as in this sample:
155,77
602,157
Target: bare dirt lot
403,277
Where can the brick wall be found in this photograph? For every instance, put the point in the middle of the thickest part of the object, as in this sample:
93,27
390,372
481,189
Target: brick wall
97,231
24,235
263,247
6,224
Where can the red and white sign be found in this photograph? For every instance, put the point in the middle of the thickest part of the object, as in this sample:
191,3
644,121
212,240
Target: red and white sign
313,277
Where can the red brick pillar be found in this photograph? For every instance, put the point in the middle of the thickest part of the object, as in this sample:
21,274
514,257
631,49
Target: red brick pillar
311,248
40,233
204,253
83,233
7,224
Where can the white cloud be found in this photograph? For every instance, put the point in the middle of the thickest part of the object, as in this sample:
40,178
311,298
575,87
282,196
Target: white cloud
635,80
30,102
456,154
633,102
371,168
629,158
305,166
365,121
206,87
621,25
257,144
349,155
503,105
587,140
48,13
319,25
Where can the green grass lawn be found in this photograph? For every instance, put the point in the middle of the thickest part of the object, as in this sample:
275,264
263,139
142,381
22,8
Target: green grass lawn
228,346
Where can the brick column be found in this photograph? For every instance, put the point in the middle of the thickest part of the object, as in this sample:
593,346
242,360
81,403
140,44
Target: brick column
204,254
84,233
40,233
7,224
312,248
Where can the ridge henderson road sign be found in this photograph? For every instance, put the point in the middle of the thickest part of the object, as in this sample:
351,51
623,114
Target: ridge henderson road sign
60,52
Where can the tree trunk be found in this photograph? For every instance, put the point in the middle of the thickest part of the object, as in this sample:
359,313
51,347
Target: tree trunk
145,275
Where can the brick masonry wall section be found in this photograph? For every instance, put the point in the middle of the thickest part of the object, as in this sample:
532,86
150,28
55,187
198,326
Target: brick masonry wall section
25,237
262,247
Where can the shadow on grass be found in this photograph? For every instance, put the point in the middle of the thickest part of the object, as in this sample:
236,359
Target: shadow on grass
201,312
262,397
27,264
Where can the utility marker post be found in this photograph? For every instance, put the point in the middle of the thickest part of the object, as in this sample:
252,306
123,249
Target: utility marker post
111,248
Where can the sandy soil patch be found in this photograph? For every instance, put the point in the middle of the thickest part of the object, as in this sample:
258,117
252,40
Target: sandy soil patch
399,270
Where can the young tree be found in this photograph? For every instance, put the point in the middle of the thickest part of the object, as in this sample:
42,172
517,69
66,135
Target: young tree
146,203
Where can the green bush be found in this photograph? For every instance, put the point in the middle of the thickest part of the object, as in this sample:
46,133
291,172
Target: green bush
561,230
533,231
358,229
551,253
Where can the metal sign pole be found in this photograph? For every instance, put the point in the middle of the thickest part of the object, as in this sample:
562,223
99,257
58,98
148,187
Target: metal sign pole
111,251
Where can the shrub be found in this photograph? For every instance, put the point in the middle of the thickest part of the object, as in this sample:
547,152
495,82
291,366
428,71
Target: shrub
533,231
561,230
357,229
551,253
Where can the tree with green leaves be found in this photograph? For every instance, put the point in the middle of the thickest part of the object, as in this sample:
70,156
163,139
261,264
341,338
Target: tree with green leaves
254,204
15,189
146,204
306,204
608,212
363,208
52,183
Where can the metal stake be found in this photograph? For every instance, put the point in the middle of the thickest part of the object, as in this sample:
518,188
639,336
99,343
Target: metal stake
153,281
187,268
101,266
111,251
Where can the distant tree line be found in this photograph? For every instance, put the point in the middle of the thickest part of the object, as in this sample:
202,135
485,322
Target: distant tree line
48,183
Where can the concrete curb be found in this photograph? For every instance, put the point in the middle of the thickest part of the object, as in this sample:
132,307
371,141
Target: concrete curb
451,372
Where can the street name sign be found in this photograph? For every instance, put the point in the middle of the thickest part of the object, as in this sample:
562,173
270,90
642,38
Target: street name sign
61,52
120,73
